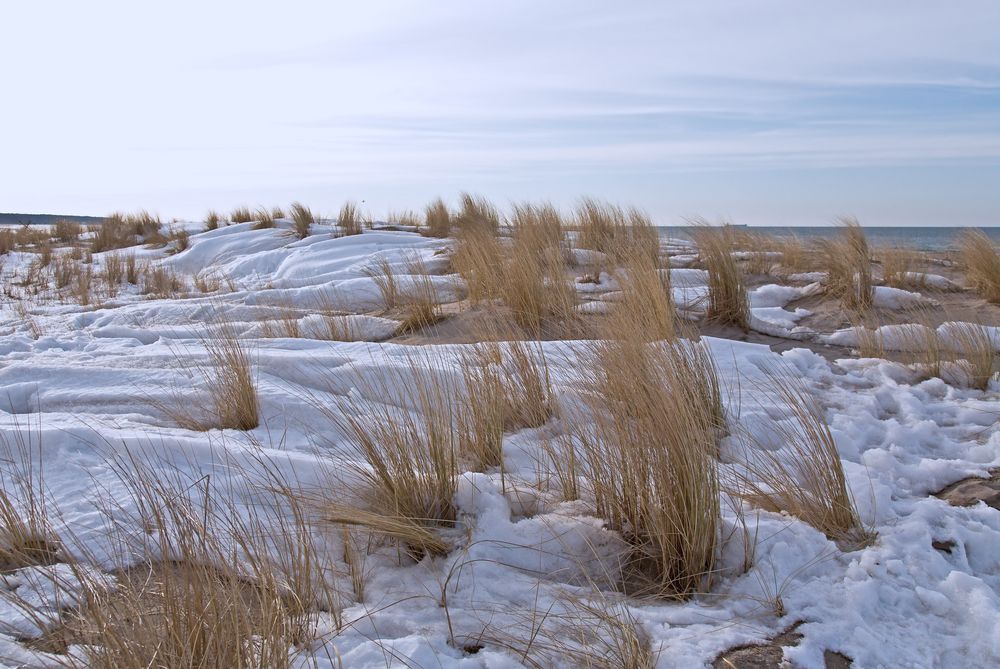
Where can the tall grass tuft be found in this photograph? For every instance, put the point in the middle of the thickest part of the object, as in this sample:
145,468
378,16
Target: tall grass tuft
420,303
241,214
212,220
349,219
849,267
728,301
806,478
408,465
231,379
982,264
533,277
898,266
263,218
437,219
615,231
975,347
65,231
646,298
302,219
476,212
649,457
26,535
478,259
210,585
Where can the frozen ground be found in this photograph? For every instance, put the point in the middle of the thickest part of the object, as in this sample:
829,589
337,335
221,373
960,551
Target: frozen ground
86,385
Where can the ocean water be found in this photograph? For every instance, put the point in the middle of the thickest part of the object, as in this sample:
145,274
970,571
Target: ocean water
923,238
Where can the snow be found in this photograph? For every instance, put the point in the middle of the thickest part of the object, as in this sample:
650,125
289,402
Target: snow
83,390
887,297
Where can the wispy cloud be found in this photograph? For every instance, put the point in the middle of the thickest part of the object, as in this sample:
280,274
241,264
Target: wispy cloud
512,98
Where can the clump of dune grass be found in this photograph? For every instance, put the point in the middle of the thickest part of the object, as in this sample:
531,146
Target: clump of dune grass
383,274
975,347
407,469
477,258
180,238
263,218
66,231
595,632
795,256
615,231
26,535
476,212
277,212
437,219
113,266
649,459
405,219
81,286
898,264
420,303
64,268
646,298
805,478
349,219
982,264
44,254
847,260
160,281
212,220
532,281
209,585
230,380
505,386
111,233
131,269
241,214
728,301
8,241
119,230
206,282
302,219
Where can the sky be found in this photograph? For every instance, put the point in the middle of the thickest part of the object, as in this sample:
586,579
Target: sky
760,112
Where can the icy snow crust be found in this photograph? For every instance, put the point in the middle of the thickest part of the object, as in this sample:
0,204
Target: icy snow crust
897,603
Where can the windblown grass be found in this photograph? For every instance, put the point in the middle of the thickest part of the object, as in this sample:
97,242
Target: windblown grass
615,231
349,219
382,273
210,587
806,478
263,218
982,264
212,220
728,301
477,258
66,232
408,458
646,299
241,215
898,265
302,219
649,458
437,219
533,277
420,302
849,268
477,213
26,535
975,347
230,380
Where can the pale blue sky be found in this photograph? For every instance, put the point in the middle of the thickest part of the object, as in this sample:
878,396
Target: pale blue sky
760,112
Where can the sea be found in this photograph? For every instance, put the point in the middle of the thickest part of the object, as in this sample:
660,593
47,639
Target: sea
921,238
